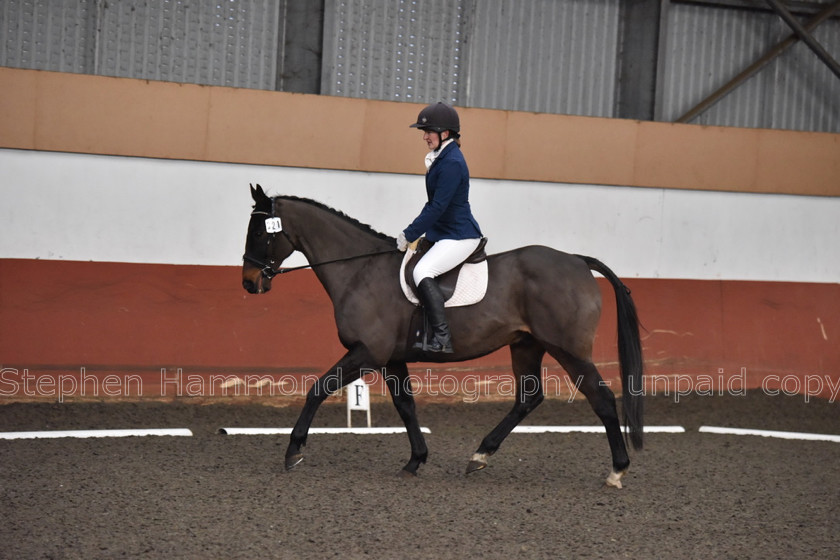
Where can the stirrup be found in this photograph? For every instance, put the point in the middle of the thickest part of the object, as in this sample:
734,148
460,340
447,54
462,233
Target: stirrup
438,347
430,342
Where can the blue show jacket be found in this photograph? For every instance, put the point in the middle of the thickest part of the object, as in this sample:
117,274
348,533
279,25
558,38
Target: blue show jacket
447,213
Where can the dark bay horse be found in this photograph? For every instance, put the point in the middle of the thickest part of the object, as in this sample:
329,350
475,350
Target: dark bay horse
538,301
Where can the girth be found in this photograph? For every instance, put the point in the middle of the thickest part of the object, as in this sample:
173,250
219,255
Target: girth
447,280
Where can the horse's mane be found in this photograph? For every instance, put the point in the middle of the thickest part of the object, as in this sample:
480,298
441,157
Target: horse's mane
339,214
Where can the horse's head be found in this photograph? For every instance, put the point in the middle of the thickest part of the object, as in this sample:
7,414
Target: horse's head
266,246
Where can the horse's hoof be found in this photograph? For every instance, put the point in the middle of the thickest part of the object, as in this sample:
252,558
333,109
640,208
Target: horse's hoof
477,462
293,460
406,475
473,466
614,479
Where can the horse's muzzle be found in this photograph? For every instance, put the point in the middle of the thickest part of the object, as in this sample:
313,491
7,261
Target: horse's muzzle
255,282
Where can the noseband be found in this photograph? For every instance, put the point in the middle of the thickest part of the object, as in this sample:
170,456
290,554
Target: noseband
265,269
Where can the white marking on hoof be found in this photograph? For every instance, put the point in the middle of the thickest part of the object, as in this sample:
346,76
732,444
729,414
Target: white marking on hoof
614,479
479,457
477,462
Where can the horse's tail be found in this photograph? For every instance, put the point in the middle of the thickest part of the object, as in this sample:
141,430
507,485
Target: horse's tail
629,353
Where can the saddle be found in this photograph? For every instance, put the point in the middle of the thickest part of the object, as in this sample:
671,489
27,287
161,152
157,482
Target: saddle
474,285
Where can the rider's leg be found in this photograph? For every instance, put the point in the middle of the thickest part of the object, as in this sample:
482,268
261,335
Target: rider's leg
444,255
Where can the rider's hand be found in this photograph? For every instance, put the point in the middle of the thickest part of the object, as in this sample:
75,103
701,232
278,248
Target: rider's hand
402,242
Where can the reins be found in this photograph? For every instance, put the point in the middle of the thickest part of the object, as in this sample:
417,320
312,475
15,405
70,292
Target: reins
322,263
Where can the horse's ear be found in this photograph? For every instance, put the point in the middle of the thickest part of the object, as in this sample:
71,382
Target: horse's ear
258,193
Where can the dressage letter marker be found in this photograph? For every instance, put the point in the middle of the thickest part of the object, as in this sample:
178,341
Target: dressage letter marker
358,398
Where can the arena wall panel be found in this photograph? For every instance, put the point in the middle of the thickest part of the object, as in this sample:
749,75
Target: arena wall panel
166,331
123,207
93,114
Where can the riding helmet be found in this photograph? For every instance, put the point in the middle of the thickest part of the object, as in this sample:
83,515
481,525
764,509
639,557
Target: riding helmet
438,117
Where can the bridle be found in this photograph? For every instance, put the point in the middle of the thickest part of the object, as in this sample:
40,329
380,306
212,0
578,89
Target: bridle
268,270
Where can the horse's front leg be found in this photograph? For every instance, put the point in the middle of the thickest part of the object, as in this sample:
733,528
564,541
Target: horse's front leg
399,384
348,369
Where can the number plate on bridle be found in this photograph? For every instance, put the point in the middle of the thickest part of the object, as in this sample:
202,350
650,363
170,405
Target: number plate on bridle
273,225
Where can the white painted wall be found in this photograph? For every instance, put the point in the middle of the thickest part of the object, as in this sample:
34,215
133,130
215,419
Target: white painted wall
106,208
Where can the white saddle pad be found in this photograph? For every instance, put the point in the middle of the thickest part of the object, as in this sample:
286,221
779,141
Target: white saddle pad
469,289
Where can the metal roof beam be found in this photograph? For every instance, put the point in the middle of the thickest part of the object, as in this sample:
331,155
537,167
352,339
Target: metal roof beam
752,69
794,6
806,36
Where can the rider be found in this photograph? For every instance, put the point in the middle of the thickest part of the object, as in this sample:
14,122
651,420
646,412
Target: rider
446,219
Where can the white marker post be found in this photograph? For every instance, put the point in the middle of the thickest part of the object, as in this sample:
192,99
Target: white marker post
358,398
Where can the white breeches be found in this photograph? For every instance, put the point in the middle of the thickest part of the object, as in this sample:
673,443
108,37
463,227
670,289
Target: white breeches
444,255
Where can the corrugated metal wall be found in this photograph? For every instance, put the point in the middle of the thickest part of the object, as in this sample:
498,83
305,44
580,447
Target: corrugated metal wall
48,35
554,56
543,56
226,43
221,43
706,47
384,49
562,57
806,95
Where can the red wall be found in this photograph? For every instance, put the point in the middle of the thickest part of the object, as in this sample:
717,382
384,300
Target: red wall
130,321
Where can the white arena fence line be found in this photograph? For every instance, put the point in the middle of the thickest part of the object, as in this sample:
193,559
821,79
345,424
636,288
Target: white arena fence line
590,429
184,432
54,434
285,431
769,433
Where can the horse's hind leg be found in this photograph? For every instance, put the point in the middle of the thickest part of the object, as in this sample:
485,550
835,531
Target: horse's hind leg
399,384
602,400
526,355
348,369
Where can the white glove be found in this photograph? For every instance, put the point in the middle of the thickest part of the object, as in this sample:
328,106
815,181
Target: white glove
402,242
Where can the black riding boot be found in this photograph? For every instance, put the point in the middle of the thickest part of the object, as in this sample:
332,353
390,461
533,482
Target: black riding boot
432,299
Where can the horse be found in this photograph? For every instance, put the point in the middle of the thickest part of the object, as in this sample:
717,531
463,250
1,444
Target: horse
538,300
